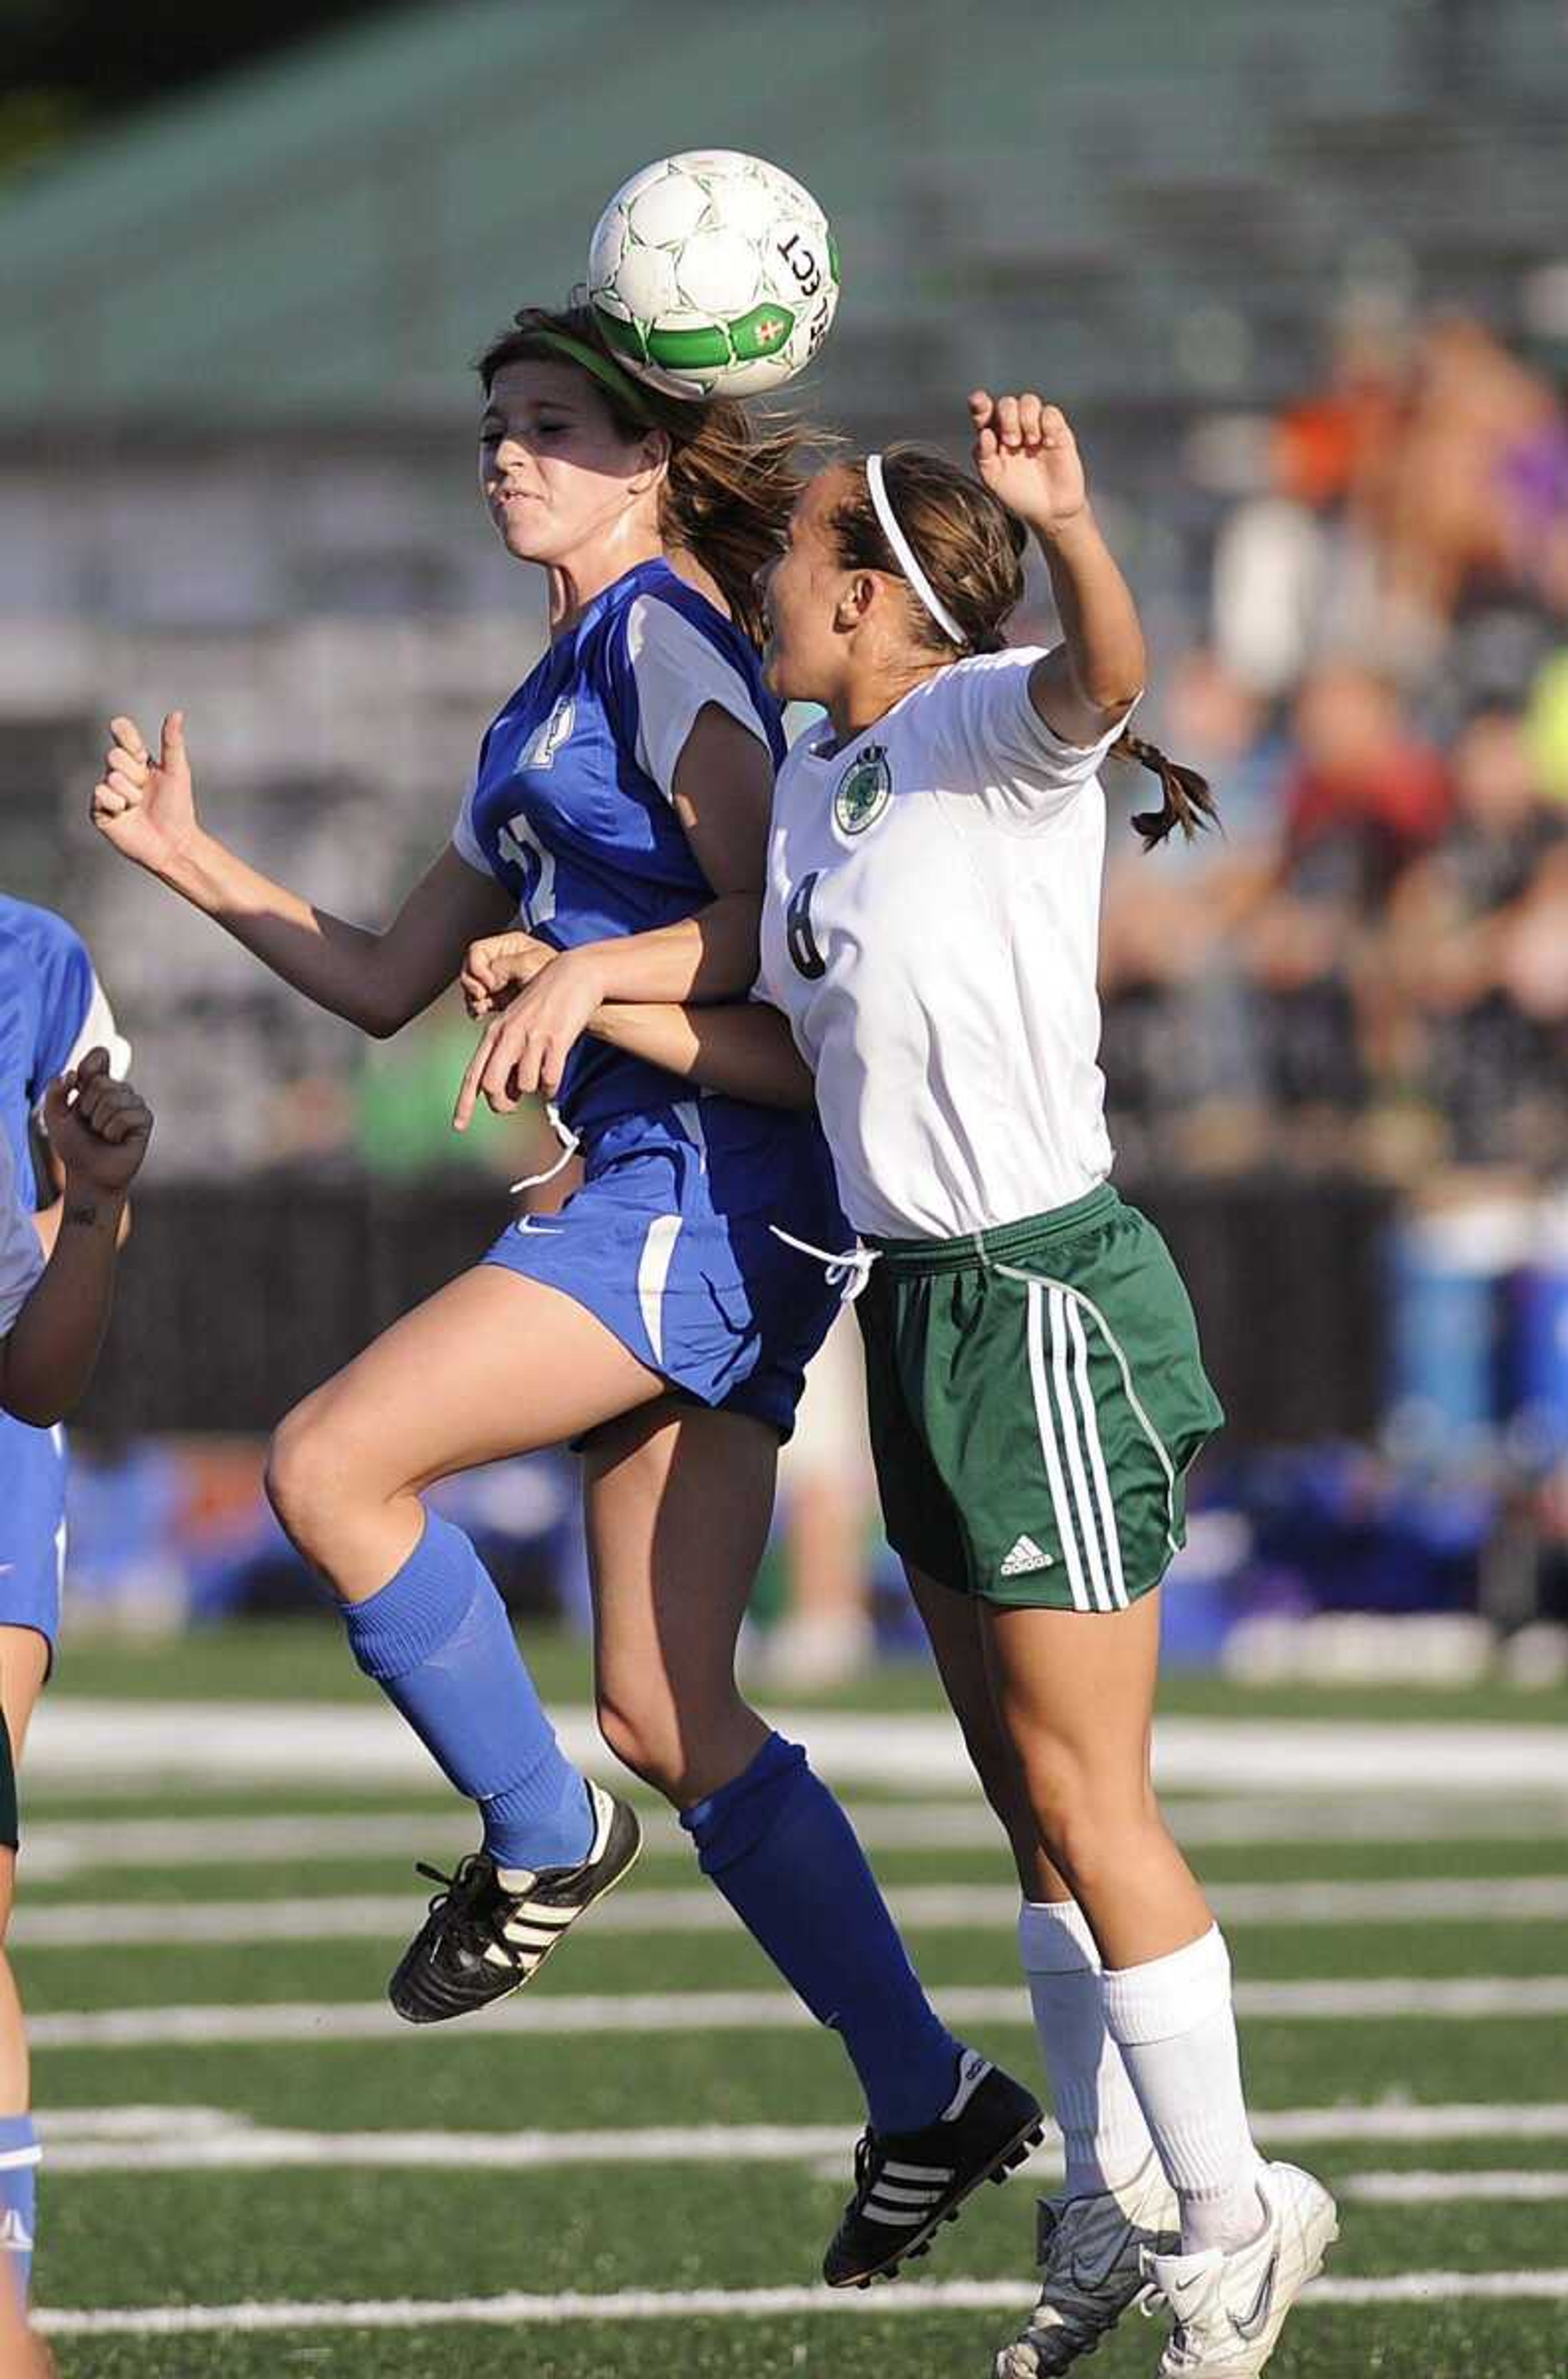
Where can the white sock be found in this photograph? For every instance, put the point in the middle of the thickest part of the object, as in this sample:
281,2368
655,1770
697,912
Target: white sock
1177,2027
1101,2123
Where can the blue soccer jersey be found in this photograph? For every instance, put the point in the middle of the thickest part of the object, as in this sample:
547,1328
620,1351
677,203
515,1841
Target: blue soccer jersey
571,804
51,1012
669,1242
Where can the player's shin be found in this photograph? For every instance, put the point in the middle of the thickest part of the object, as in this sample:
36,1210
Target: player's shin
785,1856
1104,2136
1174,2023
437,1639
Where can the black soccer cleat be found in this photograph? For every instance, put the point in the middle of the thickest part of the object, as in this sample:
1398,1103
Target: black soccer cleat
908,2183
483,1940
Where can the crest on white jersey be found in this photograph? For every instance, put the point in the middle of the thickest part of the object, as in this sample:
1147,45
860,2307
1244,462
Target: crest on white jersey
547,740
864,790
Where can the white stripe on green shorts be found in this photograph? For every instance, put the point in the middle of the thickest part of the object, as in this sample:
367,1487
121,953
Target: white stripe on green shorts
1049,1448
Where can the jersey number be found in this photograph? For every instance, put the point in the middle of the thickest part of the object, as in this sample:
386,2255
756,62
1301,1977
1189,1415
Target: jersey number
807,958
521,846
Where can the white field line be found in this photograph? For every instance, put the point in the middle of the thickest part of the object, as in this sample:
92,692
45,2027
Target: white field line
99,2125
57,1847
78,1742
562,2015
688,2304
1520,2187
207,2140
919,1907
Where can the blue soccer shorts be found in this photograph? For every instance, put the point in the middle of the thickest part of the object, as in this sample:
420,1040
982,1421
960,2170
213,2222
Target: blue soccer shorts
668,1243
32,1526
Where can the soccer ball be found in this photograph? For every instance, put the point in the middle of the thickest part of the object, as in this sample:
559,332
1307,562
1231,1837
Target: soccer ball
713,274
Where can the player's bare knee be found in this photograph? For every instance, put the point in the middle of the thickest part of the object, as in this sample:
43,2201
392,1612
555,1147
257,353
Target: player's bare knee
1089,1827
643,1739
305,1476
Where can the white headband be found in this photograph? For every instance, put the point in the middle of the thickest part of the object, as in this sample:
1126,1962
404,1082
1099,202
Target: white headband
904,553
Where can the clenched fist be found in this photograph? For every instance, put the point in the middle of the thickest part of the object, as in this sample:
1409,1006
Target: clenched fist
98,1128
500,966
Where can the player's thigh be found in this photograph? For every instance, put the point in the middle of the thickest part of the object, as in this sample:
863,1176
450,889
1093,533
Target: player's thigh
954,1629
678,1501
24,1666
494,1364
1075,1694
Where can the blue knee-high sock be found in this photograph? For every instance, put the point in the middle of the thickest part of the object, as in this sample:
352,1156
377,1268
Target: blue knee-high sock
785,1856
437,1639
18,2196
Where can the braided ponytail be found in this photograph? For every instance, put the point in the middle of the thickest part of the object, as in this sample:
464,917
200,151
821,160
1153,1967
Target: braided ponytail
1189,800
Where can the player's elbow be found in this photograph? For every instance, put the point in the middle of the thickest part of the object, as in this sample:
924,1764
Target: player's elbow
35,1396
386,1008
1112,693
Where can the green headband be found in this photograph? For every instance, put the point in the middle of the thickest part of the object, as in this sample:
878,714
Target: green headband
610,375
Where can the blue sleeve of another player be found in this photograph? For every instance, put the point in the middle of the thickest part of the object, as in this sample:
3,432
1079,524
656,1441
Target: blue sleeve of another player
68,989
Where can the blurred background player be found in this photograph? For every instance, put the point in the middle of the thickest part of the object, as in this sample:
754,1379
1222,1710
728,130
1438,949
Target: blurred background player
621,805
53,1312
825,1633
53,1012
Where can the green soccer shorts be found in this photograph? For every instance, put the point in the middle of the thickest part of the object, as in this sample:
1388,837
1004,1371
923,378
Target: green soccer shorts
1036,1396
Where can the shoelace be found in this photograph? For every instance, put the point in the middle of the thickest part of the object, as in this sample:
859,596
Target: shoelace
1152,2301
848,1271
458,1898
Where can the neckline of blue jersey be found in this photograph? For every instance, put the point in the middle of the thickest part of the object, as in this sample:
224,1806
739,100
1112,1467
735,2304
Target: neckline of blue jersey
636,581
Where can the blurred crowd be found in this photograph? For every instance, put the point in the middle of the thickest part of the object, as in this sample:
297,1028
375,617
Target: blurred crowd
1370,967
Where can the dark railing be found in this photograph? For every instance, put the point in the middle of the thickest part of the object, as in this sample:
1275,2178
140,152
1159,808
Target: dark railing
234,1302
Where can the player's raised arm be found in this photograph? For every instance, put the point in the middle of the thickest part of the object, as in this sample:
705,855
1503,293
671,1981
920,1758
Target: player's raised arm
100,1129
146,807
1025,452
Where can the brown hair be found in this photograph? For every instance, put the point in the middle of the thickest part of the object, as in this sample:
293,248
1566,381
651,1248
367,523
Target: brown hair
733,474
971,548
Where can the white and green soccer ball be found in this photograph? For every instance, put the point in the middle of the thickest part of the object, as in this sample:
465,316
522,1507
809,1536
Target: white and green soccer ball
714,274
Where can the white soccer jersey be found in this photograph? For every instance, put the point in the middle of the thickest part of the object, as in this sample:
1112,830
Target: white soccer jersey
931,930
21,1257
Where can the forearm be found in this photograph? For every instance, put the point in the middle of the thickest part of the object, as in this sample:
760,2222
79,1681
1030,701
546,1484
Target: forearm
1102,640
711,957
744,1050
333,962
49,1356
48,1219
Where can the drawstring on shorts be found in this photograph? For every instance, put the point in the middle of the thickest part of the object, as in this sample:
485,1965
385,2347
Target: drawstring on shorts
848,1271
569,1143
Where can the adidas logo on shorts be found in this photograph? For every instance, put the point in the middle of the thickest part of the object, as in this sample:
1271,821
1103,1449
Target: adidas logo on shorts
1025,1555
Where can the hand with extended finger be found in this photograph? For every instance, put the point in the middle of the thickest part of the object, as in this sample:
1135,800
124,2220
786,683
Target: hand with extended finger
500,966
145,806
98,1127
1025,452
524,1048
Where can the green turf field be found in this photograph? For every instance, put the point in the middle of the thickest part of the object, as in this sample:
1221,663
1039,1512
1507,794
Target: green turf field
250,2169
